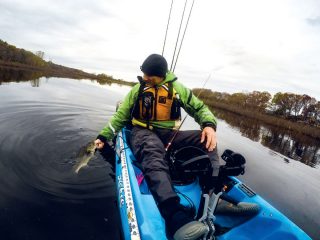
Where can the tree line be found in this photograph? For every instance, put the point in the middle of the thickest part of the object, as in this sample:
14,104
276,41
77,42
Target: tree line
10,53
289,143
290,106
31,65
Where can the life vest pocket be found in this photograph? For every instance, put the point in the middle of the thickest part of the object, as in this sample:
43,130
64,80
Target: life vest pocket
175,110
162,99
163,109
147,105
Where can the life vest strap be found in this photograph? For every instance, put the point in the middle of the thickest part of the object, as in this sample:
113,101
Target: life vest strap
136,122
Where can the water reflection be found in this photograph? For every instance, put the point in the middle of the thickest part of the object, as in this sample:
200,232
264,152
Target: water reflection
8,75
41,131
287,143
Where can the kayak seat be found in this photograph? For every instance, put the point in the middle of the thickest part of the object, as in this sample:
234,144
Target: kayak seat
187,164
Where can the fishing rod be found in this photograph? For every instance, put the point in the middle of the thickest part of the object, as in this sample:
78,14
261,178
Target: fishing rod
174,52
176,132
165,37
184,33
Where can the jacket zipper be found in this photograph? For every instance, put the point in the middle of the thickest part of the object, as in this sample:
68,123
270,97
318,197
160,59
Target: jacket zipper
156,103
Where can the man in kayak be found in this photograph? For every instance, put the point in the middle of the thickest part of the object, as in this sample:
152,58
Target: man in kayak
153,108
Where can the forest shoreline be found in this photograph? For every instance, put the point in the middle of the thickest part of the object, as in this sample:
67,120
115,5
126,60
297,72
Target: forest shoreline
54,70
303,128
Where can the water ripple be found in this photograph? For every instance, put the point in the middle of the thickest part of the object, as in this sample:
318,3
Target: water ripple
39,142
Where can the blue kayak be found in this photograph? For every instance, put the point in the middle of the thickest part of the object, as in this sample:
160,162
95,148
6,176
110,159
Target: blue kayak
141,219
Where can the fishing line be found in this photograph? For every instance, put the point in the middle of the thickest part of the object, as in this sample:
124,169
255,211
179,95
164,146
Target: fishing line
184,33
165,37
175,48
176,132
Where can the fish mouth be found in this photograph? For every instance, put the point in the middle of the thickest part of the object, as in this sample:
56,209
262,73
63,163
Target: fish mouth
92,151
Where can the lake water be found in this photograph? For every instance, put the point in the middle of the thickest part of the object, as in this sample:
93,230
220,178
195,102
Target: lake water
44,122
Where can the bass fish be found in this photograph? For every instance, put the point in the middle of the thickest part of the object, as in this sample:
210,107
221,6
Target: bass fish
85,155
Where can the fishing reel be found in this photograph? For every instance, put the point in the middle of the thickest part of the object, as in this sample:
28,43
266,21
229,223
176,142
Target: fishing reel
188,163
235,164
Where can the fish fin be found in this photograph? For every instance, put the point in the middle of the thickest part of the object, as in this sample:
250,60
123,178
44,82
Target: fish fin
77,168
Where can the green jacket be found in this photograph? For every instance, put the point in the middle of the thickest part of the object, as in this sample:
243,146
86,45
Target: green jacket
190,103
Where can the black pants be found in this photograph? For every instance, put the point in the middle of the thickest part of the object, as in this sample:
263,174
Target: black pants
149,148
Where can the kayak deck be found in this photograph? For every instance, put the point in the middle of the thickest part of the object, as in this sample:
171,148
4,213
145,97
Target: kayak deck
141,218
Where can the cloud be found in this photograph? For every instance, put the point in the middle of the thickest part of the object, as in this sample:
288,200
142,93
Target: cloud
247,46
315,22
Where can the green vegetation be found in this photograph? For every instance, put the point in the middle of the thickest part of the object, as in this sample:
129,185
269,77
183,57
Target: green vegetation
12,57
9,53
292,144
300,113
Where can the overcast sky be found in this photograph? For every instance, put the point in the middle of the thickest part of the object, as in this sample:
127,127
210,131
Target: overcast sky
246,45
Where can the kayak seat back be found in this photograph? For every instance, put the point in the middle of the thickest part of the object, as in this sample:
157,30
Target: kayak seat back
187,164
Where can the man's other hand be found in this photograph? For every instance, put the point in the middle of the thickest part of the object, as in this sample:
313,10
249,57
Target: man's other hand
210,134
99,144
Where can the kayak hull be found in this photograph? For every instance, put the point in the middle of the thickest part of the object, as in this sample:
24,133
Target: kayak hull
140,217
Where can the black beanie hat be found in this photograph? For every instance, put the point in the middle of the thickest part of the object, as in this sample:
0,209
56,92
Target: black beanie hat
155,65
